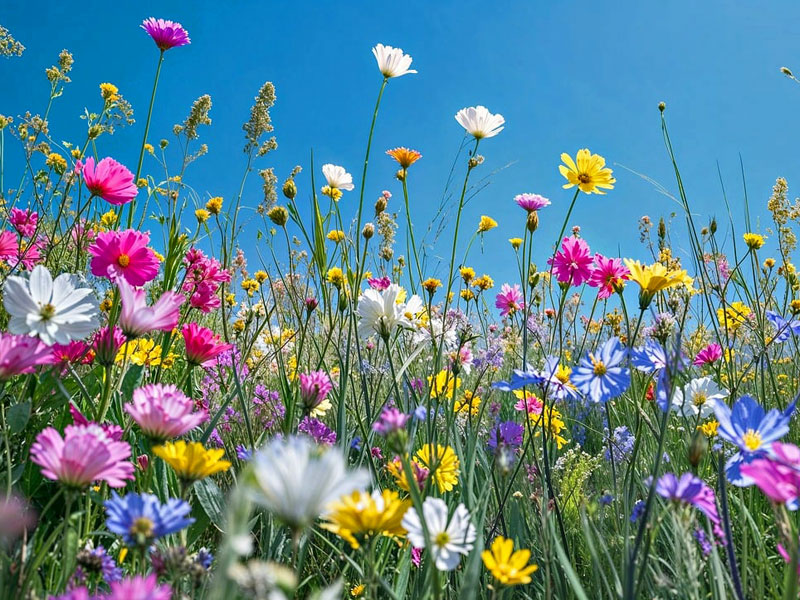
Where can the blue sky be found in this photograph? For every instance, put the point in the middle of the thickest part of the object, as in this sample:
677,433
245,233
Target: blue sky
565,75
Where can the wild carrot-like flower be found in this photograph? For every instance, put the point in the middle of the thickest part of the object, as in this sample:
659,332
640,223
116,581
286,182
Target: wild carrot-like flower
509,300
479,122
572,264
57,311
588,171
163,411
202,345
84,455
166,34
361,515
141,519
109,180
124,254
608,275
600,376
21,354
392,62
507,568
137,318
450,537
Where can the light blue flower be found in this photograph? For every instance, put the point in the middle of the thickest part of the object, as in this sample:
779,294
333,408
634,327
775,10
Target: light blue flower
600,376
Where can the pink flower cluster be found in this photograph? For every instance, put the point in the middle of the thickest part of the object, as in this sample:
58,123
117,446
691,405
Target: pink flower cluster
574,265
203,276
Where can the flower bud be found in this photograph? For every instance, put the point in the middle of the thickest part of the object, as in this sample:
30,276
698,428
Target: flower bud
290,189
278,215
380,205
368,231
533,221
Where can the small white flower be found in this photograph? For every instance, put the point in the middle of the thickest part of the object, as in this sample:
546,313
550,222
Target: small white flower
479,122
381,312
391,61
57,311
296,480
698,398
449,540
337,177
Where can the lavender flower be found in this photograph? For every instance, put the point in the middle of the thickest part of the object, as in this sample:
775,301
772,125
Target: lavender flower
508,433
621,444
318,431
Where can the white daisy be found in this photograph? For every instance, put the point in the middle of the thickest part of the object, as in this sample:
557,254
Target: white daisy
57,311
698,397
296,480
382,311
391,61
337,177
479,122
448,540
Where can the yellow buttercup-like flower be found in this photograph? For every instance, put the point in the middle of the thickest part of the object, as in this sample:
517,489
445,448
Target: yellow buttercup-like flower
508,567
361,515
655,278
144,352
753,240
486,224
336,235
515,243
709,428
336,276
550,419
468,404
443,467
733,316
192,462
588,171
443,384
431,285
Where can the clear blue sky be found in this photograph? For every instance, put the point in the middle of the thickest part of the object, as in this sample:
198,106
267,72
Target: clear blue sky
565,75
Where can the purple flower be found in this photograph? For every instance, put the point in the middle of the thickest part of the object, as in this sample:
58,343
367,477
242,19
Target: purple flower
689,489
606,499
621,444
166,34
390,420
243,452
638,510
702,541
508,433
97,560
316,429
531,202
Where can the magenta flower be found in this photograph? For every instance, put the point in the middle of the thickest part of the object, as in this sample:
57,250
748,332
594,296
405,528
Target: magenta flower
166,34
202,345
84,455
390,420
21,354
689,489
24,221
106,345
124,254
777,474
572,264
136,318
607,275
163,411
314,388
110,180
531,202
9,245
379,283
203,276
509,300
76,352
709,354
139,588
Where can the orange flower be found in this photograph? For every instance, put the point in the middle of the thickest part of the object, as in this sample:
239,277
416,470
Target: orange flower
404,156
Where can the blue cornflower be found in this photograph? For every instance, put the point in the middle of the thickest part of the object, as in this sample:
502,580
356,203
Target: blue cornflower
599,376
638,510
606,499
204,558
621,443
243,452
555,379
751,429
355,443
520,378
140,519
508,433
783,328
421,413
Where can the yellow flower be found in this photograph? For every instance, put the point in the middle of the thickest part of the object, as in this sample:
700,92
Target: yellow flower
404,156
214,205
192,462
469,404
655,278
508,568
515,243
483,283
144,352
202,215
261,277
336,276
56,162
754,241
769,263
158,255
336,235
467,274
357,590
149,148
363,515
551,420
108,219
733,316
467,294
109,92
122,554
486,224
588,171
431,285
443,384
709,428
334,193
444,467
250,286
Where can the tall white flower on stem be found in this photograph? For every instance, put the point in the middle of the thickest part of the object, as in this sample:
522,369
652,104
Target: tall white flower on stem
391,61
382,311
337,177
479,122
56,311
296,480
449,538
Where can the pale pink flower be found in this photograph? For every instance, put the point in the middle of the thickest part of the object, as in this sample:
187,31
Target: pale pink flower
163,411
531,202
137,318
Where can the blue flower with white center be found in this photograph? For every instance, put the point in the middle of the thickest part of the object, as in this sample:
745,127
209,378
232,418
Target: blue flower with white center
141,519
600,376
751,429
783,329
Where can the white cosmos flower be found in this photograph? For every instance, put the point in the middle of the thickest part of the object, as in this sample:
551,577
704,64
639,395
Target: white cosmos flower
391,61
449,540
434,330
479,122
337,177
382,311
698,397
57,311
296,480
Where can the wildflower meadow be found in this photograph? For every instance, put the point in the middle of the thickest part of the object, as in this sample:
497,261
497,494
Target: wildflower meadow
322,411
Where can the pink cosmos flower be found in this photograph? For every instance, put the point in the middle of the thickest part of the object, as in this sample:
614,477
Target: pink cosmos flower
24,221
139,588
607,275
529,404
166,34
709,354
28,254
380,283
202,345
106,345
110,180
21,354
9,246
314,388
777,475
163,411
203,277
124,254
84,455
572,264
136,318
509,300
531,202
77,351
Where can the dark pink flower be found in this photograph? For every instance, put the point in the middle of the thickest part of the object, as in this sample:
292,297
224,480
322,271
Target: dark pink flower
24,221
778,474
314,388
203,277
106,345
572,264
124,254
110,180
9,245
607,275
509,300
166,34
202,345
21,354
77,351
709,354
379,284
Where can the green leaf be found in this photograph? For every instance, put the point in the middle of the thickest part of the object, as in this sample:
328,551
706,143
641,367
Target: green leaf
133,379
211,499
18,416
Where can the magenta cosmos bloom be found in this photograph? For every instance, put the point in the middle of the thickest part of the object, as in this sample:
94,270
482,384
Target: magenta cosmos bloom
572,264
136,318
202,345
84,455
607,275
110,180
314,388
124,254
709,354
106,345
22,354
531,202
777,474
509,300
163,411
24,221
166,34
690,489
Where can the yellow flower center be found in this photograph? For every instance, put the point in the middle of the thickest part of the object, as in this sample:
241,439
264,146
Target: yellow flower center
699,399
562,374
599,368
442,539
584,177
142,527
752,440
124,260
47,312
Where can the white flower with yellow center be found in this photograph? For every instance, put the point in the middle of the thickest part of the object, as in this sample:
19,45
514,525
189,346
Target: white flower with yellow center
391,61
697,398
381,312
479,122
449,538
337,177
